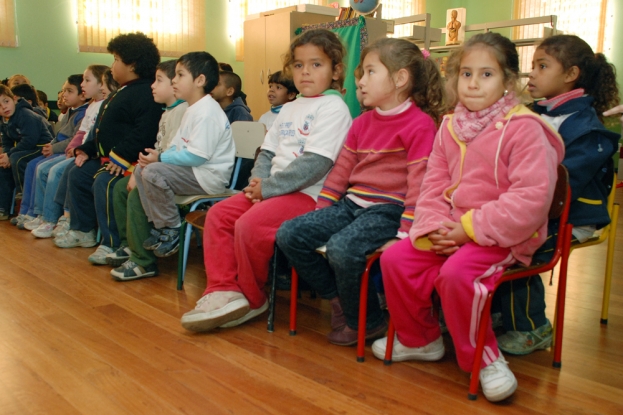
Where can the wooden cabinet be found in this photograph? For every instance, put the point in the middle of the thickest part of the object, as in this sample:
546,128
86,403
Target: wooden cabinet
266,41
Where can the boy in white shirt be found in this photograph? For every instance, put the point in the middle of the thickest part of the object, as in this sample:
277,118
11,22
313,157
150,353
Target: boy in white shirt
200,159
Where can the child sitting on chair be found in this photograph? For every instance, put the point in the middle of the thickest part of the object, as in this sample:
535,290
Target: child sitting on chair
578,85
297,153
131,260
200,159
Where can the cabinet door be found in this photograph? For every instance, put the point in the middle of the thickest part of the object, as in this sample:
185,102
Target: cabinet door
255,79
278,38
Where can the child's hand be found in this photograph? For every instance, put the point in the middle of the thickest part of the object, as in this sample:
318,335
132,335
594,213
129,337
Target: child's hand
131,183
114,169
449,238
151,157
47,150
4,161
80,158
613,111
442,245
253,191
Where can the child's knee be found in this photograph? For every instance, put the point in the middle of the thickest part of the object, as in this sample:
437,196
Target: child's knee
286,234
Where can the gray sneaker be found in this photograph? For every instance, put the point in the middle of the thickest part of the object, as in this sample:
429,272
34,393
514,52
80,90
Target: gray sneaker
23,221
73,239
130,271
33,224
99,256
525,342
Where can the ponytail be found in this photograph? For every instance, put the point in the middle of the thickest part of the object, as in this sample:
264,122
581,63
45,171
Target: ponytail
597,76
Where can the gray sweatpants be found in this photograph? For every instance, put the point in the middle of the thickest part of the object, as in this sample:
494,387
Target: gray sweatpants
157,185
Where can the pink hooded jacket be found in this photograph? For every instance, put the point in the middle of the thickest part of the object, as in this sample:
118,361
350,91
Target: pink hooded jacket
499,186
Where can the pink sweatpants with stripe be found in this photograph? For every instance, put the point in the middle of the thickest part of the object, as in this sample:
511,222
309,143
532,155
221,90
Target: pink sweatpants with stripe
462,280
239,241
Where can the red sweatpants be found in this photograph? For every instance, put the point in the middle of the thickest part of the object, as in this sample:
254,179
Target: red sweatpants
239,241
462,280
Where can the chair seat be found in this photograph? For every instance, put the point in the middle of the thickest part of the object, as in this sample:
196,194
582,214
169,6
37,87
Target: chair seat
188,199
196,218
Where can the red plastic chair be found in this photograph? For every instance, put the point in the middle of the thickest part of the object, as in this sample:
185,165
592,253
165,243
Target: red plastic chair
558,210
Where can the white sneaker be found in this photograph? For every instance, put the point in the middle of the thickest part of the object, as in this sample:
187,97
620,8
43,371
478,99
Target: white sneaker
62,227
23,220
254,312
44,230
99,256
33,224
497,380
73,239
429,353
215,309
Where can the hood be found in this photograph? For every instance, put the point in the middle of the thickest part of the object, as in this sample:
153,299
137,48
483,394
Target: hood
237,103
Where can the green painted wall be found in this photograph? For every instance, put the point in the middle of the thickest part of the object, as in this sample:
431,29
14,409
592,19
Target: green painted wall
48,50
48,43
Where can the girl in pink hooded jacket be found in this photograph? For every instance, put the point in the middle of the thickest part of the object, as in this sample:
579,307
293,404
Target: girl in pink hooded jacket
483,206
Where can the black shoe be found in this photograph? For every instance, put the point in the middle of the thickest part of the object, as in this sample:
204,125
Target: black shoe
118,257
153,241
169,242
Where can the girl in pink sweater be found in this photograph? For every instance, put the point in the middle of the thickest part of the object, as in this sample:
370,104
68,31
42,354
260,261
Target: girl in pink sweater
483,207
370,194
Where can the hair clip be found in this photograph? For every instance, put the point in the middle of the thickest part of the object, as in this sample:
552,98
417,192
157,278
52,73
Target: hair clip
425,53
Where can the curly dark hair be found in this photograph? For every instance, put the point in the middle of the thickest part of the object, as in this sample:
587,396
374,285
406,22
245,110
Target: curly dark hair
597,77
138,50
425,83
330,45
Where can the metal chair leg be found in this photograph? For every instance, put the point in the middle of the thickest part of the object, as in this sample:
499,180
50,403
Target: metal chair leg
294,289
271,297
182,255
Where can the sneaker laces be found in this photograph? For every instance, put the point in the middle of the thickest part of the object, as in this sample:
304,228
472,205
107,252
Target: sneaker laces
201,301
129,265
496,367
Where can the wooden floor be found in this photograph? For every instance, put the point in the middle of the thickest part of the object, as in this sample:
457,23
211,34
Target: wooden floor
73,341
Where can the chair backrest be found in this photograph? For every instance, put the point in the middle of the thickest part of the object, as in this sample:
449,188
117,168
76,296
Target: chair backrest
560,193
248,136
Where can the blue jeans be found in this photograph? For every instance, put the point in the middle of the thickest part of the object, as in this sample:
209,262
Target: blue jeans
29,186
13,177
350,233
48,177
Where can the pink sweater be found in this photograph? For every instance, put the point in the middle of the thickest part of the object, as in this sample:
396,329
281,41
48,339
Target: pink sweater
499,186
383,161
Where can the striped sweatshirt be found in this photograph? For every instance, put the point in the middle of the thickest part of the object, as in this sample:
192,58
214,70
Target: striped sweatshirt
383,161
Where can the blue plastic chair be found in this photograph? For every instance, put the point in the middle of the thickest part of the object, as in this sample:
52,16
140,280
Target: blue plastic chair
248,136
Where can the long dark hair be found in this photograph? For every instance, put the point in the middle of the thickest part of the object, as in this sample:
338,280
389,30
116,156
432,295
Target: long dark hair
597,76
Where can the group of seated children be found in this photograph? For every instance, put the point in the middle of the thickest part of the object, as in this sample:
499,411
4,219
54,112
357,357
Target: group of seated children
452,201
70,190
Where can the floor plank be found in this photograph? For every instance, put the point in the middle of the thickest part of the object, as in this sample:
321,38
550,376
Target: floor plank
73,341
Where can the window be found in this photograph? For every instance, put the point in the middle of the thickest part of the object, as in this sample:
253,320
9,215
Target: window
588,19
393,9
239,9
7,24
176,26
